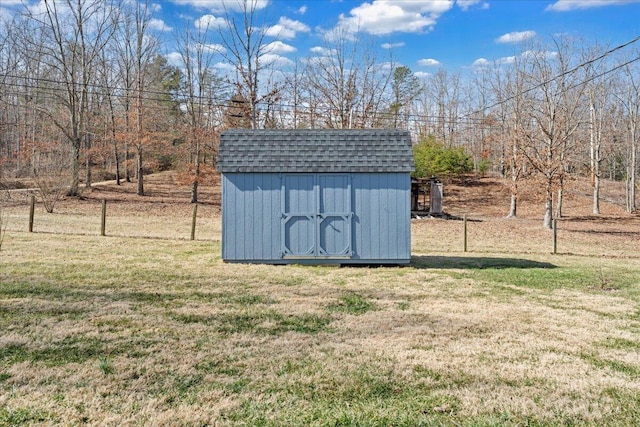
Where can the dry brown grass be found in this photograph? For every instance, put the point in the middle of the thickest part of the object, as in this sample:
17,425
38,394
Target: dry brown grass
120,330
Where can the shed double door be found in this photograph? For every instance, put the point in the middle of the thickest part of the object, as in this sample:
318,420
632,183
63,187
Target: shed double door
316,216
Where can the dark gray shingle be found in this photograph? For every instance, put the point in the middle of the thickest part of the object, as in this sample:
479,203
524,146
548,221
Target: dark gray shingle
315,150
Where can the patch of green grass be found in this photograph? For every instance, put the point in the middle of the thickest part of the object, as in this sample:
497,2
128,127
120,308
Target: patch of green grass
549,279
243,299
371,395
353,303
620,344
627,404
14,353
614,365
72,349
104,364
403,305
184,384
22,416
237,386
37,311
13,288
220,367
441,380
259,322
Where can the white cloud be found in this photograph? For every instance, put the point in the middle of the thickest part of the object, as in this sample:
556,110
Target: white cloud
223,5
568,5
272,59
387,65
277,47
294,25
422,75
280,32
322,51
506,60
6,15
209,21
302,10
392,45
388,16
516,37
215,47
429,62
40,8
543,54
481,62
159,25
467,4
224,66
287,28
175,59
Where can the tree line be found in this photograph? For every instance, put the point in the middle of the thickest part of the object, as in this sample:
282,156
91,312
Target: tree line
86,90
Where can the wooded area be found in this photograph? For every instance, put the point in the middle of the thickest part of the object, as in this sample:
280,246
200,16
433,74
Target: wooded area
87,92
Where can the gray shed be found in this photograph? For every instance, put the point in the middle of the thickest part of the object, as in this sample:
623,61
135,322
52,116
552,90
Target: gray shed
316,196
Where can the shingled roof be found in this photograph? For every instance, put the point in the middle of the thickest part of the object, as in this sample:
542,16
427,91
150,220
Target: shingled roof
315,150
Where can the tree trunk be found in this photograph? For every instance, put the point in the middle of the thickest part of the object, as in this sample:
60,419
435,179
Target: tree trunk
632,172
548,205
559,201
88,178
594,156
75,167
513,209
127,175
194,192
140,191
117,157
196,178
596,195
116,153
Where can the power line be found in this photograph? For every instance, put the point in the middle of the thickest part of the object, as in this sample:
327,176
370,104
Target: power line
212,102
564,73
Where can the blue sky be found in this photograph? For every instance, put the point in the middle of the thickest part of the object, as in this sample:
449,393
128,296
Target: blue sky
427,34
421,34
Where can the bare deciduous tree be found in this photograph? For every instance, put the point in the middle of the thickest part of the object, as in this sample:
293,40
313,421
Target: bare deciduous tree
199,87
346,84
555,90
630,100
245,48
73,35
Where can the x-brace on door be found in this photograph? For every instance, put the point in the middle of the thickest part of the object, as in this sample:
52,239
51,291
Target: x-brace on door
316,216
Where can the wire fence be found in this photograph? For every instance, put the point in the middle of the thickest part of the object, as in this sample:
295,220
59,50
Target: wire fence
605,236
103,218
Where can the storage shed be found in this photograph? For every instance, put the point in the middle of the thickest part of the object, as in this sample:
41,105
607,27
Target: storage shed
316,196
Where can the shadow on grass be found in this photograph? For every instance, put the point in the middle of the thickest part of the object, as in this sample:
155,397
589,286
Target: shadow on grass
479,263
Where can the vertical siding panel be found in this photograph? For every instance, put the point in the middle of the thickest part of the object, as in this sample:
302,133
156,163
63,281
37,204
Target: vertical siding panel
250,217
252,207
383,217
225,216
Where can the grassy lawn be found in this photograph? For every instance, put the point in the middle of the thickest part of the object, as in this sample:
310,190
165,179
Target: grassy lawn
128,331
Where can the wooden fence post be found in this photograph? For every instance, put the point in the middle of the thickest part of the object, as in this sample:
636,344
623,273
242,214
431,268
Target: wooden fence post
193,221
32,210
464,220
103,222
